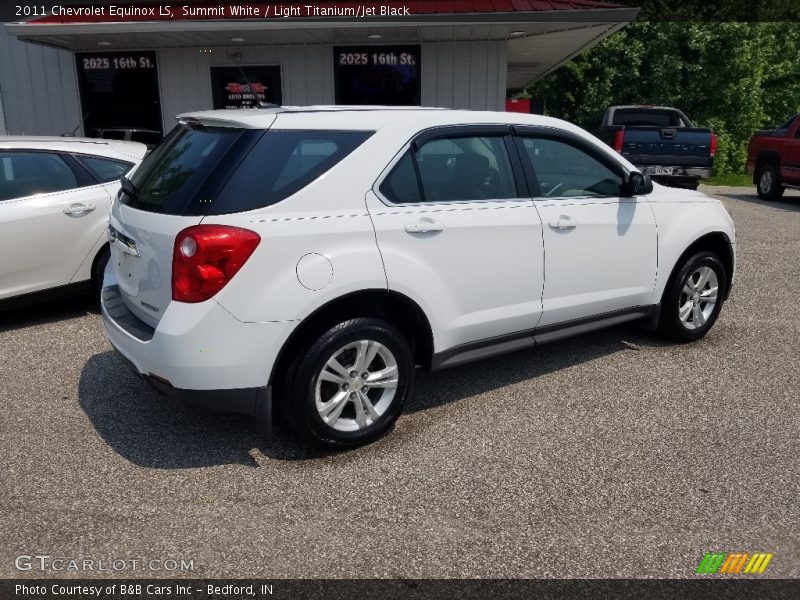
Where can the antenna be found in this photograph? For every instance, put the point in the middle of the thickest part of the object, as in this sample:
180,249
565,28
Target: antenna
81,122
237,58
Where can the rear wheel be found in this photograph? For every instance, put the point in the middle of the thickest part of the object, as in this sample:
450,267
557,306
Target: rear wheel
769,186
98,269
351,385
693,299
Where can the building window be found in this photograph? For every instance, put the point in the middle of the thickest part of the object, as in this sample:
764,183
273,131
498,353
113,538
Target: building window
245,87
377,75
119,93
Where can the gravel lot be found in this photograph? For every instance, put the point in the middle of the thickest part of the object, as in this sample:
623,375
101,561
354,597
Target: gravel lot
609,455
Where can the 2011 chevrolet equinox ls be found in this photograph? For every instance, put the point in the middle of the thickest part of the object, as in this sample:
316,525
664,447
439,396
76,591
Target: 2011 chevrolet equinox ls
317,255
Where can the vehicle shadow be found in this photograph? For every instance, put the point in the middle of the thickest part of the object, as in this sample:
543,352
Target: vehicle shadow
153,431
43,313
789,203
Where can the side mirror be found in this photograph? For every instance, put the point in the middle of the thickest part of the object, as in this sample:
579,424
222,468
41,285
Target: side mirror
637,184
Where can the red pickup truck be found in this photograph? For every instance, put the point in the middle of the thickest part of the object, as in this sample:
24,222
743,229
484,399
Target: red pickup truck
773,157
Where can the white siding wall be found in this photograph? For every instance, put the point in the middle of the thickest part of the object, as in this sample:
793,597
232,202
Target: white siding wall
40,91
464,75
185,75
3,130
39,88
454,75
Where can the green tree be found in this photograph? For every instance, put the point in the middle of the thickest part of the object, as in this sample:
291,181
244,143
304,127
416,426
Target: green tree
733,76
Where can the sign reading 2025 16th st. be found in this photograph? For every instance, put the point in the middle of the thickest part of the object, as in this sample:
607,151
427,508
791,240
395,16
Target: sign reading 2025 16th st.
388,75
91,62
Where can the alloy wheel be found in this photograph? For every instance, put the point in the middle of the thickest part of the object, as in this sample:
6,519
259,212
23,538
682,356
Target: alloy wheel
356,385
698,298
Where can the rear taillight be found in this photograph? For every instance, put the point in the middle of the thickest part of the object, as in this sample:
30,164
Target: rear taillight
619,138
206,257
713,151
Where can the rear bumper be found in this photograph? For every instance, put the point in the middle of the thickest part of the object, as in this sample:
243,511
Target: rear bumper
199,353
247,401
678,173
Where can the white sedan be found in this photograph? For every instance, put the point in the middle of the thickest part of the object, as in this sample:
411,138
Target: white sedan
55,195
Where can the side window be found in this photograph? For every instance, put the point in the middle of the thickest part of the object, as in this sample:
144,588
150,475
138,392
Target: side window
460,168
28,173
282,163
105,169
564,170
402,185
305,156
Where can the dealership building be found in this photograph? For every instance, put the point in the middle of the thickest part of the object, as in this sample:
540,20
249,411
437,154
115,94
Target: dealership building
97,74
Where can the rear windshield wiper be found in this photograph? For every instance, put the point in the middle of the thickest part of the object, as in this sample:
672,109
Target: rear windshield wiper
128,188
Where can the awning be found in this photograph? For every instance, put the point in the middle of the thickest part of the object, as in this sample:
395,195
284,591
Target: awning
541,34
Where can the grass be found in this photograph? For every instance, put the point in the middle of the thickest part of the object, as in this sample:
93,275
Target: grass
733,179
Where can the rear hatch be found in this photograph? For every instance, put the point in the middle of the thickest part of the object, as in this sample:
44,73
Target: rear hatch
170,191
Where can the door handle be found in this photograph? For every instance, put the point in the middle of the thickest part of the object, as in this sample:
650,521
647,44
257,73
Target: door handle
563,222
78,210
424,226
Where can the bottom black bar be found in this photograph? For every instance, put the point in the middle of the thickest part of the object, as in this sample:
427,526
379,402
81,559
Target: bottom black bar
405,589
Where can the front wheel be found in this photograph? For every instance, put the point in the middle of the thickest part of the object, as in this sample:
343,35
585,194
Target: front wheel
693,299
351,385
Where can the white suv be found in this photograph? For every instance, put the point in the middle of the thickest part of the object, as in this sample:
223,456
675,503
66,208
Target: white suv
317,255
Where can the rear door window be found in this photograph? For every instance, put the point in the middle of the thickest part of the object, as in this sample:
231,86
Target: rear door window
282,163
401,186
28,173
453,169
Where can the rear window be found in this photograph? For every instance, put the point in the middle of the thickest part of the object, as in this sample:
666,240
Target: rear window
788,123
282,163
643,117
170,177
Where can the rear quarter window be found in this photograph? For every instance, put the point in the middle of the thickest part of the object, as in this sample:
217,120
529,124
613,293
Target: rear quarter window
282,163
104,169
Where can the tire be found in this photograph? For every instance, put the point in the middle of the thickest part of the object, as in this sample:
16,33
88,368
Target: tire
98,269
685,315
768,183
325,403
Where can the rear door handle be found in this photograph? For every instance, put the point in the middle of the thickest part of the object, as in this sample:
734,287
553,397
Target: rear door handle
424,226
78,210
563,222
